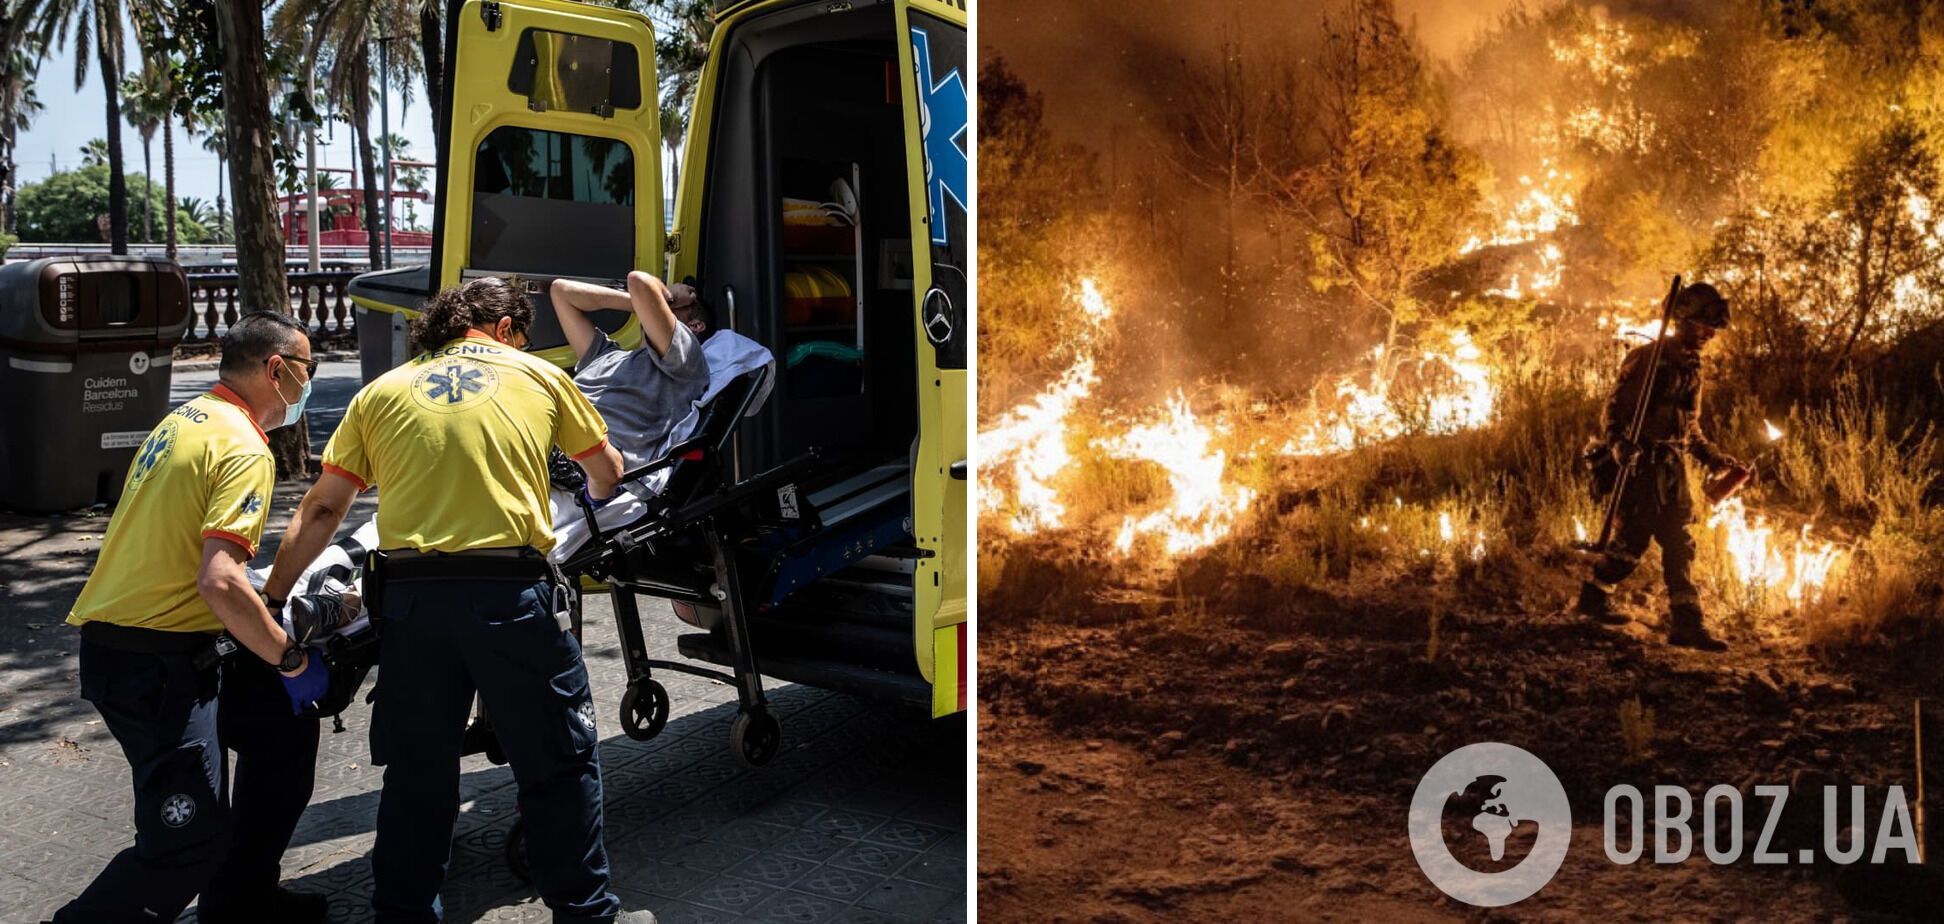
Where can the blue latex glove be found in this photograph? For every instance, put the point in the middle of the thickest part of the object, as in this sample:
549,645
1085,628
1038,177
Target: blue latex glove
597,504
310,683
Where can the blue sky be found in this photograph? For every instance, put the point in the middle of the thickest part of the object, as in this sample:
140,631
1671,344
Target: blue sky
71,117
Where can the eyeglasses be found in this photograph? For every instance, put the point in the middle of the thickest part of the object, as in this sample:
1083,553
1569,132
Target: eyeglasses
310,365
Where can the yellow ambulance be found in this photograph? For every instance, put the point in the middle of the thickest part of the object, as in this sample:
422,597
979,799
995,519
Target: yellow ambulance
821,211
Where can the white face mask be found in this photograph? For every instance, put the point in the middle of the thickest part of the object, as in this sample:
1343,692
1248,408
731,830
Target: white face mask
294,409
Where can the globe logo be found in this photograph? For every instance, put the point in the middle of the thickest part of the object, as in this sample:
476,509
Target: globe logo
1490,824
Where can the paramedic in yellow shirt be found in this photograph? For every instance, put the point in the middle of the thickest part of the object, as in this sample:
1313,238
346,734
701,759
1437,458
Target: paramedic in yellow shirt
456,442
170,577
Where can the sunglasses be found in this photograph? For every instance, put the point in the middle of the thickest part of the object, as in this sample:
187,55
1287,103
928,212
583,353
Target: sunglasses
310,365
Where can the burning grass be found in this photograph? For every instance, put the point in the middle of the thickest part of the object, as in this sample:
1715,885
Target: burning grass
1833,545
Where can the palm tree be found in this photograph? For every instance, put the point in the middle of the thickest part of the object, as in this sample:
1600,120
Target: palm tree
140,110
410,179
343,32
196,210
210,124
95,153
53,23
152,99
674,124
683,29
430,33
18,105
293,184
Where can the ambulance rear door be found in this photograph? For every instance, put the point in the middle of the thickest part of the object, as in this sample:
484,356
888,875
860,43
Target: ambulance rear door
550,164
938,142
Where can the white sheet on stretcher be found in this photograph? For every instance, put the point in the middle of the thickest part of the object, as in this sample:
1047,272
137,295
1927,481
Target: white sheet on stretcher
729,355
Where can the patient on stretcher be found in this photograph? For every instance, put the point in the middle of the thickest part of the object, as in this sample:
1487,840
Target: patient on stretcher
641,393
632,392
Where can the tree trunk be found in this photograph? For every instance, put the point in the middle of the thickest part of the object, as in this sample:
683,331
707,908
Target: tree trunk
432,53
222,216
675,170
117,183
8,141
168,185
361,136
8,146
148,191
261,283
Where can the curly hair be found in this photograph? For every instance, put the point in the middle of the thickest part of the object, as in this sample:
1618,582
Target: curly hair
480,303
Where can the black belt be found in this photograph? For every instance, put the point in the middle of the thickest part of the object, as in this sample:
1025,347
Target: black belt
515,564
146,641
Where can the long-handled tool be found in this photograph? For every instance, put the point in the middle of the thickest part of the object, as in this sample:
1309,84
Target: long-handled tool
1639,418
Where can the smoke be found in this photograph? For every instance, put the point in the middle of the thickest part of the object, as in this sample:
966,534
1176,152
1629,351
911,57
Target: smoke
1109,70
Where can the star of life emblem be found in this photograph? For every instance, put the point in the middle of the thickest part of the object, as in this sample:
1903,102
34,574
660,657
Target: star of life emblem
178,810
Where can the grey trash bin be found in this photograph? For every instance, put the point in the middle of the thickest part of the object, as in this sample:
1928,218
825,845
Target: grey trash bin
382,336
86,348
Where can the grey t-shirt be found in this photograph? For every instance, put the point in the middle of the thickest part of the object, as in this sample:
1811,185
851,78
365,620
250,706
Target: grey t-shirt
643,395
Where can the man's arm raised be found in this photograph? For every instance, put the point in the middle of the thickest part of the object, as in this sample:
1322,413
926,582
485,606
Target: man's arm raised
572,299
649,297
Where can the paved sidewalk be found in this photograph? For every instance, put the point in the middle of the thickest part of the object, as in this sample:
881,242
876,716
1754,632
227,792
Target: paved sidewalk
861,818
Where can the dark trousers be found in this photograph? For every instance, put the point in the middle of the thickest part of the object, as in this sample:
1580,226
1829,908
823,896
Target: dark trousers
272,781
173,722
444,639
1656,507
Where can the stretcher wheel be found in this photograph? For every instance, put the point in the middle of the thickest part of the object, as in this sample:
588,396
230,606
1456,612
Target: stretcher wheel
642,723
516,851
754,737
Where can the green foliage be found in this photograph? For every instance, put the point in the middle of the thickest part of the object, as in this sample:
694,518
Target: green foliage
188,34
1820,284
1038,234
6,243
63,207
683,30
1393,194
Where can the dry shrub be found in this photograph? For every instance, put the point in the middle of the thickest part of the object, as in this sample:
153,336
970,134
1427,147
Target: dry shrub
1636,730
1894,582
1848,457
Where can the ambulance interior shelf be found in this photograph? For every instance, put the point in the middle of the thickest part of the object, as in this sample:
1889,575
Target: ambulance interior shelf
823,277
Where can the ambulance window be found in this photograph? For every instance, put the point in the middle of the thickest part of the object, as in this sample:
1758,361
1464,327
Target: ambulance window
559,70
553,202
938,57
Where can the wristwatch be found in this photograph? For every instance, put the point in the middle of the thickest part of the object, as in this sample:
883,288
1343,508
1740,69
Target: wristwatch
270,603
293,658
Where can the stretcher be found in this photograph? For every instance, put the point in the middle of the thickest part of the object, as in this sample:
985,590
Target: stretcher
711,543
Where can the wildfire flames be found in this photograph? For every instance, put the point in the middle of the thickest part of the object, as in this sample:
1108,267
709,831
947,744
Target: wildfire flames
1031,440
1367,413
1030,444
1760,561
1204,506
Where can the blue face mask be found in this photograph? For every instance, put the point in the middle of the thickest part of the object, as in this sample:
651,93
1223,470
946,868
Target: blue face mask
296,408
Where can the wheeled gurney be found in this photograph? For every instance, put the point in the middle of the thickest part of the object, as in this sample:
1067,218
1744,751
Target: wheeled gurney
730,548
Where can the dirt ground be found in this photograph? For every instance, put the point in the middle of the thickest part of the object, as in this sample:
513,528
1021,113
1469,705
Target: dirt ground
1214,748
